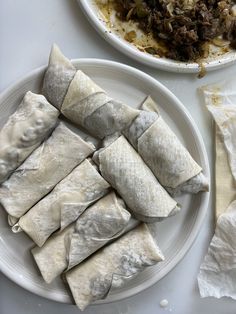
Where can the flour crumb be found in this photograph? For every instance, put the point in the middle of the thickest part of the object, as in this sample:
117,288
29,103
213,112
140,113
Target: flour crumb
164,303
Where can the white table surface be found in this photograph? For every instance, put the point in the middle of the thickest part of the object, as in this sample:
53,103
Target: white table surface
27,30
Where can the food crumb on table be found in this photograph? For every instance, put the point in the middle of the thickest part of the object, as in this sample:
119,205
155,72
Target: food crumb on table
164,303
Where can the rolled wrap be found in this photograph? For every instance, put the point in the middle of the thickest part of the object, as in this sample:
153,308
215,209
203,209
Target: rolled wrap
68,200
58,77
85,103
125,170
92,230
24,131
162,151
43,169
112,266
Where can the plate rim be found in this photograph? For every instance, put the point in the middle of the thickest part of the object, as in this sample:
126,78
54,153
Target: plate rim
202,210
159,63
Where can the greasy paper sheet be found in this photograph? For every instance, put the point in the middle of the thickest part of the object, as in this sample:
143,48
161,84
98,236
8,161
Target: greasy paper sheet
217,275
224,181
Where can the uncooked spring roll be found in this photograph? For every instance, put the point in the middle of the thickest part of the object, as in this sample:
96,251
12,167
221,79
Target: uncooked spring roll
24,131
125,170
43,169
58,77
94,228
85,103
82,187
162,151
112,266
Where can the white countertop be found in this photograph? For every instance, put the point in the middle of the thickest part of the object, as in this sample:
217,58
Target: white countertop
27,30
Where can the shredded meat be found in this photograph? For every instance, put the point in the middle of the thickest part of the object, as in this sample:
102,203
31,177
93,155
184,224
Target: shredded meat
183,26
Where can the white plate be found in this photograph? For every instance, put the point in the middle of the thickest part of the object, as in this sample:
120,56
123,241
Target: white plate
92,12
175,235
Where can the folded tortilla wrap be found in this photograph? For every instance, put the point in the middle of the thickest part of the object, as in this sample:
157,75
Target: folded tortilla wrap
127,173
163,152
66,202
82,101
100,223
43,169
112,266
24,131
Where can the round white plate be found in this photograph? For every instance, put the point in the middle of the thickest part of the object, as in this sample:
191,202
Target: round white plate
175,235
91,10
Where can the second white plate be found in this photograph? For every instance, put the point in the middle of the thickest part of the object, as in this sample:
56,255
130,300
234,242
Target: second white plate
114,38
175,235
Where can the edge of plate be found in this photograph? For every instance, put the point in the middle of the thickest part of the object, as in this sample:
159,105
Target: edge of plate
132,52
205,196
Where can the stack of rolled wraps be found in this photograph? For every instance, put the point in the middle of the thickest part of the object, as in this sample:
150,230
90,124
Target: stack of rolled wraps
85,208
141,159
88,106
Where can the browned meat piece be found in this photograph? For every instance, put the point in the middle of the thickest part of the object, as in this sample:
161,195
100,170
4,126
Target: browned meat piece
184,26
